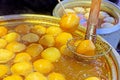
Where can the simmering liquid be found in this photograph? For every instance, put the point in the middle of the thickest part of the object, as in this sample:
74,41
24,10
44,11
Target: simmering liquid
66,65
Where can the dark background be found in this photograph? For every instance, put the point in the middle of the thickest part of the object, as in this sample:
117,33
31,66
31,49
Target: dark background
26,6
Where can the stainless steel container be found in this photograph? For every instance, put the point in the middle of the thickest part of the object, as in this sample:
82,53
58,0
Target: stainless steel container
109,34
113,58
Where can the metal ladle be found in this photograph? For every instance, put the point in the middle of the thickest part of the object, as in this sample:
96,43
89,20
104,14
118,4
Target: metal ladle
90,32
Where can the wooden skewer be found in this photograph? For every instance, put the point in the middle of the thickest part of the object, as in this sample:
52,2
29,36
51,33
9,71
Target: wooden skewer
62,7
93,20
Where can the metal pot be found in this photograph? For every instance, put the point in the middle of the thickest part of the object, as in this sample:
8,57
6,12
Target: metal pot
113,58
110,34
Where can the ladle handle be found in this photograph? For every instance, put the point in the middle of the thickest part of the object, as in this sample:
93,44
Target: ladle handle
93,20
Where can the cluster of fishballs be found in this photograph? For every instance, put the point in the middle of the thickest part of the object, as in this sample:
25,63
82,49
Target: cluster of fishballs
28,52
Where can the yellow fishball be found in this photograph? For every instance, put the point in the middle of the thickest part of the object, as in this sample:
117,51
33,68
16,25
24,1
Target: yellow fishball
62,38
52,54
21,57
22,28
15,46
22,68
56,76
77,42
92,78
34,49
30,37
3,31
38,29
5,55
13,36
13,77
65,51
47,40
3,70
3,43
35,76
69,22
53,30
43,66
86,47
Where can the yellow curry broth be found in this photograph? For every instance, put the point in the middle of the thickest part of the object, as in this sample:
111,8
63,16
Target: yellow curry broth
66,65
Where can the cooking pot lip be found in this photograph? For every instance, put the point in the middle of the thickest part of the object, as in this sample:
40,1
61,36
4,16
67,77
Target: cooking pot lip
99,31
